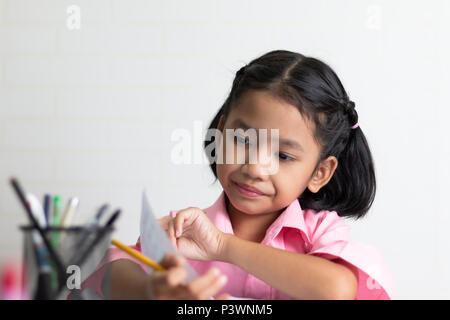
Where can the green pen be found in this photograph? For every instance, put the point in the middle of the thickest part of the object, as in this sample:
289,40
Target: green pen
55,235
56,220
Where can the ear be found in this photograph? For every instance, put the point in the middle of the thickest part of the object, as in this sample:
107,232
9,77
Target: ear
323,174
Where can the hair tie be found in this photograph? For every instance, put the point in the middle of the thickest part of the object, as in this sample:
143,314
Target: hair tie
349,109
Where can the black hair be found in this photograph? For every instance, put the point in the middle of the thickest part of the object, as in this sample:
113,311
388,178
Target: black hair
315,89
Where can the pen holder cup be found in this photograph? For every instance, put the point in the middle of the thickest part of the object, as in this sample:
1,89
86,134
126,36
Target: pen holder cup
78,250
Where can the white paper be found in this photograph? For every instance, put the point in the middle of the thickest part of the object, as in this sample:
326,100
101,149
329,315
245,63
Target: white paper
154,241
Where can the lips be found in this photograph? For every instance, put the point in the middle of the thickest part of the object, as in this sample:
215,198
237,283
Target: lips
249,190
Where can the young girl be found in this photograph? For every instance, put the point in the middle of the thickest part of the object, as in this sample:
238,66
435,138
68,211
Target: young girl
281,235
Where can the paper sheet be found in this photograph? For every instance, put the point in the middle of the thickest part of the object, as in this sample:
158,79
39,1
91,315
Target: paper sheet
154,241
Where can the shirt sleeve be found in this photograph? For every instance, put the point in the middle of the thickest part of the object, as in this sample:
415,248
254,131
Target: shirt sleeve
94,281
330,239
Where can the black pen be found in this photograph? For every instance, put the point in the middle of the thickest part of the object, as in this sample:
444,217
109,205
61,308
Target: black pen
89,229
97,239
60,267
101,233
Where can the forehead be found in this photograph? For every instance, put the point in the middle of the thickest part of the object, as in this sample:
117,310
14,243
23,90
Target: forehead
261,110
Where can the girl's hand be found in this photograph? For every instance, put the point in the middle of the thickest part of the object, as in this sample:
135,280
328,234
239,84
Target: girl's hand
194,235
170,284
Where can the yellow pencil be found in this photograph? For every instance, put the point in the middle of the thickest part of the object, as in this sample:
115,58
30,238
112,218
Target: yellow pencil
138,255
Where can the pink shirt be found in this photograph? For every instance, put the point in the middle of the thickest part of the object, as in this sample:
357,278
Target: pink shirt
322,234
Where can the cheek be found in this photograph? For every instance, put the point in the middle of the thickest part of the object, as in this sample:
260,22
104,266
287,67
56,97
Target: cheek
224,144
291,182
226,160
220,172
229,151
223,172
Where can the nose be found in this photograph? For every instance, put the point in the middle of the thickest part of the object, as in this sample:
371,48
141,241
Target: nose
258,170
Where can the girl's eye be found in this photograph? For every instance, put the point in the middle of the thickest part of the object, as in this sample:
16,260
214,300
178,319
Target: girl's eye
242,140
285,157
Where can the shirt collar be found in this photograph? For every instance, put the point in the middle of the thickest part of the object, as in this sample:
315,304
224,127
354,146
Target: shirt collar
218,214
291,217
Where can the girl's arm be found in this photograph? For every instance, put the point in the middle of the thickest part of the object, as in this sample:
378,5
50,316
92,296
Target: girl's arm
298,275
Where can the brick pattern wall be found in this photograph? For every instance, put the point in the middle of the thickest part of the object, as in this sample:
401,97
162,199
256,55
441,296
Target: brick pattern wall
90,112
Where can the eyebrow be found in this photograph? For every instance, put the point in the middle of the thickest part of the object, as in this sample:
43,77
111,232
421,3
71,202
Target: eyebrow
285,142
291,143
240,123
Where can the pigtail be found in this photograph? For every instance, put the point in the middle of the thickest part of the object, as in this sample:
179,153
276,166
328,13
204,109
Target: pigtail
351,190
354,183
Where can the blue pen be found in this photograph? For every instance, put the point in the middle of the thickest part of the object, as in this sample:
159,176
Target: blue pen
45,272
47,203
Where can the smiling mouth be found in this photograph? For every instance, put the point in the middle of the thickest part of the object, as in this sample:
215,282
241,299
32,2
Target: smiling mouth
248,191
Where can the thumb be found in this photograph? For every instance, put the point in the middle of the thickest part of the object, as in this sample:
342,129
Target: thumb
224,296
163,222
172,260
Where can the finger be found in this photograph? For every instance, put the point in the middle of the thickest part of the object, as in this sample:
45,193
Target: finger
167,280
158,287
171,260
164,221
178,224
167,284
184,216
176,276
171,232
224,296
214,287
198,285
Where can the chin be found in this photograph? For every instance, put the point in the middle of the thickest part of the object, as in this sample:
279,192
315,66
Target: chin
248,206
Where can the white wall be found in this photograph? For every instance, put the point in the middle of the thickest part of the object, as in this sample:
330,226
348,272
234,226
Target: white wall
90,112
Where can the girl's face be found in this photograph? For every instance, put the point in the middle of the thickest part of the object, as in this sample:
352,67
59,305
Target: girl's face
297,157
